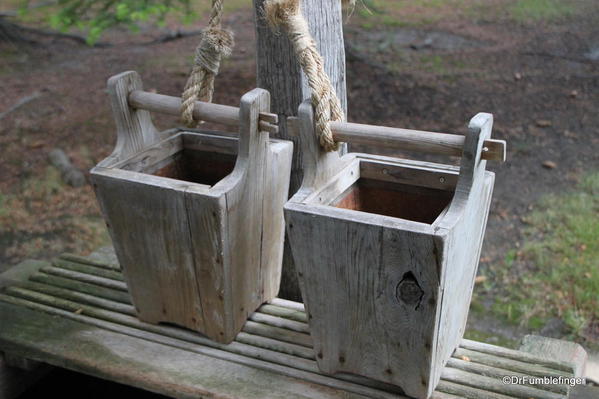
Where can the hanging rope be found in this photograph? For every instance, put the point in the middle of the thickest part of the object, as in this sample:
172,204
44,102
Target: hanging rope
286,14
216,43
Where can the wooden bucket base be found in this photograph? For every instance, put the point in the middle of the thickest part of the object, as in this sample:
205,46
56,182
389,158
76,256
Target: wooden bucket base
76,313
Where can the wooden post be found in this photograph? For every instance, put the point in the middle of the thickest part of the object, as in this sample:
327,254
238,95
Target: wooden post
279,72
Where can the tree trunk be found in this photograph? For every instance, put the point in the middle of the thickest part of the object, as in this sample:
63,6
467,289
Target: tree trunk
278,71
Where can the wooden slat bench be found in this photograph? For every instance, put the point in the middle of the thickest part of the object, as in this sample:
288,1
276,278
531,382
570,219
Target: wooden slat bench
76,313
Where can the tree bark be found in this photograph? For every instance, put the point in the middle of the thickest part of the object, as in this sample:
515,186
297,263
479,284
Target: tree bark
278,71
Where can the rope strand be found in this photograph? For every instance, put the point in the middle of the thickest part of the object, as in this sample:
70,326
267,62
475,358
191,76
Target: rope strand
327,107
215,44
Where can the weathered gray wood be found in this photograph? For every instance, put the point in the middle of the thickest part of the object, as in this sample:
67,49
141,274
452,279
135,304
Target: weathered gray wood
35,309
496,385
551,350
79,286
387,297
354,133
264,359
526,355
21,272
101,281
459,234
516,365
584,392
17,374
181,373
412,140
218,113
278,71
203,254
105,263
87,269
277,164
134,128
499,373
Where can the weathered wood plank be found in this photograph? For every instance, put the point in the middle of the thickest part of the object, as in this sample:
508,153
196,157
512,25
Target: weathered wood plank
135,130
236,353
584,392
274,349
284,312
491,384
79,286
217,113
468,392
104,257
508,364
553,350
280,322
278,333
179,373
530,356
499,374
87,269
21,272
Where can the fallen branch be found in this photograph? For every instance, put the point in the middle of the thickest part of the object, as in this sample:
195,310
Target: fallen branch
60,35
6,26
70,174
20,103
11,31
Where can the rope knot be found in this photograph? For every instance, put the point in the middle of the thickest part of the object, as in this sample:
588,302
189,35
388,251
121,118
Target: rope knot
327,107
216,43
278,12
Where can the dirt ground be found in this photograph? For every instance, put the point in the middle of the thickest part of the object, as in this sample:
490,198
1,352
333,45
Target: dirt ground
540,80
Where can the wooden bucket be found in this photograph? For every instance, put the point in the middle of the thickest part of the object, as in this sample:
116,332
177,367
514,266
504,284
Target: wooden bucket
196,217
386,251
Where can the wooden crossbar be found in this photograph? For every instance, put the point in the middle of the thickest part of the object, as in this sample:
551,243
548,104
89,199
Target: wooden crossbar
76,313
377,136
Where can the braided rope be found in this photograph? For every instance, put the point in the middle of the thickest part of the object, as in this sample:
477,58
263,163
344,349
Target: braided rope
287,14
216,43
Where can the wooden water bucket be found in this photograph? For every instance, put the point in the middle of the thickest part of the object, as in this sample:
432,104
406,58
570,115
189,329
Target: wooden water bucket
387,249
196,217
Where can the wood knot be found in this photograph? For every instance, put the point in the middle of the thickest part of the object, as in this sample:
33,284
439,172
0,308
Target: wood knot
408,290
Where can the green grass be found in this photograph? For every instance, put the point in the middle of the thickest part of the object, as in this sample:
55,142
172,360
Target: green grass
413,13
555,274
541,10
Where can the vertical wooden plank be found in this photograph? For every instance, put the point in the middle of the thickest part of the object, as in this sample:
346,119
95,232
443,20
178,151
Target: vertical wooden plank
149,227
277,172
244,207
134,127
279,72
337,263
207,222
462,230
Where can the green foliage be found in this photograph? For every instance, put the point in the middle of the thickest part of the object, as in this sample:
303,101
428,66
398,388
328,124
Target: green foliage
537,10
560,261
95,16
